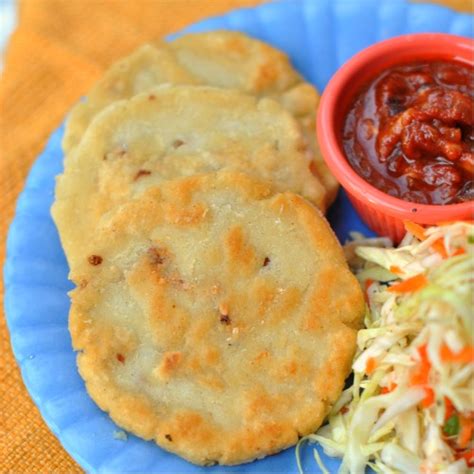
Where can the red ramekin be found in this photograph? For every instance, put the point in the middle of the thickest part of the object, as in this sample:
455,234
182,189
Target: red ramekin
384,214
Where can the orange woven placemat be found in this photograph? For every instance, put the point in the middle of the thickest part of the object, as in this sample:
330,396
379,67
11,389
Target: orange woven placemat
59,49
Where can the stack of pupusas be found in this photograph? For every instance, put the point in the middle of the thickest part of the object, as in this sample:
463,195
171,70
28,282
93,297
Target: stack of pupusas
214,311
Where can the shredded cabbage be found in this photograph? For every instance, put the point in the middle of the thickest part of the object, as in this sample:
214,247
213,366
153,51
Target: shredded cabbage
410,407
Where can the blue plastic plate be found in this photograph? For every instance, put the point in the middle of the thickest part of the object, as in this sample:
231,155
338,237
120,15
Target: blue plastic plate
319,35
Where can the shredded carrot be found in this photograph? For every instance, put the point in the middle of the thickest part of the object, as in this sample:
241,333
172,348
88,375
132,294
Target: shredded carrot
368,282
468,456
449,408
388,389
396,270
423,352
464,356
438,246
421,372
465,432
429,397
419,377
459,251
410,284
370,365
416,229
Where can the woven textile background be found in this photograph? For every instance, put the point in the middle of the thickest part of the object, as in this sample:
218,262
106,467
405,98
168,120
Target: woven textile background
59,49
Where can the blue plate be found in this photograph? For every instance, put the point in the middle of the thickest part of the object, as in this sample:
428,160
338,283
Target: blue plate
319,35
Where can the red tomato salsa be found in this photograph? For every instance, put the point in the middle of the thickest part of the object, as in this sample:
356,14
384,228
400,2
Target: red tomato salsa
410,132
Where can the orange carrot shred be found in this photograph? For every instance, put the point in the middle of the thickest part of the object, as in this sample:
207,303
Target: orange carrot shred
459,251
423,352
421,372
411,284
438,246
468,456
396,270
465,433
368,282
418,378
370,365
388,389
429,397
449,408
416,229
464,356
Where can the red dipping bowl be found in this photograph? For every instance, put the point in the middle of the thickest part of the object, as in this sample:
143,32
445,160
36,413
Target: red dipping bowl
383,213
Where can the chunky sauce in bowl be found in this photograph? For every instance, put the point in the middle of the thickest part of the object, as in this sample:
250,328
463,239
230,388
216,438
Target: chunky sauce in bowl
410,132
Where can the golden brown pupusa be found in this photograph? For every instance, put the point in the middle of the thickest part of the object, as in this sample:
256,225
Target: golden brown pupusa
231,59
170,132
227,59
216,317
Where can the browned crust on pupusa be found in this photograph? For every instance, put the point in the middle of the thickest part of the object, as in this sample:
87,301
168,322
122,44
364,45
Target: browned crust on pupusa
231,59
145,68
185,130
227,59
208,391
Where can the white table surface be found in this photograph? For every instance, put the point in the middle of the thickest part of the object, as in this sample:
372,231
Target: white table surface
8,18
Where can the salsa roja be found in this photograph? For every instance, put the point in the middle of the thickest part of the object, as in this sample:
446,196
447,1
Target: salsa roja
410,132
